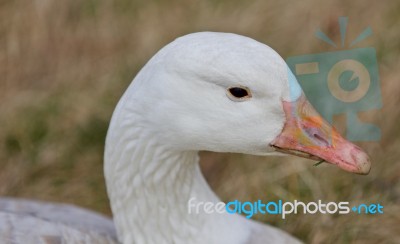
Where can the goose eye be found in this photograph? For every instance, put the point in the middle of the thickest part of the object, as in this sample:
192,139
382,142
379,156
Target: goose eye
238,93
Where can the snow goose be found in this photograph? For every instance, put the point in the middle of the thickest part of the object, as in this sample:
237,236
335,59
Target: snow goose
205,91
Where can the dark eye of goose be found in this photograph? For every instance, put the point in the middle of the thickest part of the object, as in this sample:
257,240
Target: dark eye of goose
238,93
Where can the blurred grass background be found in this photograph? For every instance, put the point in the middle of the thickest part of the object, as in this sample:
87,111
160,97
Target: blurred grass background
64,64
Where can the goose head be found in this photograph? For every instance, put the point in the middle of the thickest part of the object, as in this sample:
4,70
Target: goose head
228,93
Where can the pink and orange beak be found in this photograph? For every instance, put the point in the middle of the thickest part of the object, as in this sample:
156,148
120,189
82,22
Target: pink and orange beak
307,134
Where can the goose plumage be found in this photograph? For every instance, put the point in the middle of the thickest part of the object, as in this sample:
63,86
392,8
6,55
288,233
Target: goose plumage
178,104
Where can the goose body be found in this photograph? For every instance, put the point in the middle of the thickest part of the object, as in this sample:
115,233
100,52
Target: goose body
27,221
205,91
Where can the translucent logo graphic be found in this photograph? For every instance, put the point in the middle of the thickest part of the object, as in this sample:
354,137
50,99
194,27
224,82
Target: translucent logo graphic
342,83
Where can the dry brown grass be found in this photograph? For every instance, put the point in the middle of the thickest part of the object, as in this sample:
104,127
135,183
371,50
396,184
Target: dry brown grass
64,65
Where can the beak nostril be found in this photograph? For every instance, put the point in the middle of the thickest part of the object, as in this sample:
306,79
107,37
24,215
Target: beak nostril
321,139
315,135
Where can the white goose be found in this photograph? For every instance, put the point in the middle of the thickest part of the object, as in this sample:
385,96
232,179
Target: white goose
204,91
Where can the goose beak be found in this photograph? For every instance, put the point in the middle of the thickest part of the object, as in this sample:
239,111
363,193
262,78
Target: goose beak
307,134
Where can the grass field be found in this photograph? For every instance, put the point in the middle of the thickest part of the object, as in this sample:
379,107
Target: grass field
64,64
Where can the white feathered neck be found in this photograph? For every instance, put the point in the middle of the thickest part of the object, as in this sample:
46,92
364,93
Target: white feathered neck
149,187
